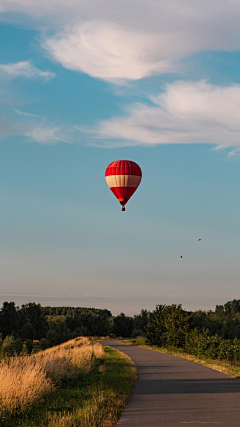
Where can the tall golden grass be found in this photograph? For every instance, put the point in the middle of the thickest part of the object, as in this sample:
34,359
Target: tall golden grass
24,380
99,412
106,401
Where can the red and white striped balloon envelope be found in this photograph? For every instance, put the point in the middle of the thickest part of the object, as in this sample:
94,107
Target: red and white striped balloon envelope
123,178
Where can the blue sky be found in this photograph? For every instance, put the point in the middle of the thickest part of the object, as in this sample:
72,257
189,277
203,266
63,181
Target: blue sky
86,84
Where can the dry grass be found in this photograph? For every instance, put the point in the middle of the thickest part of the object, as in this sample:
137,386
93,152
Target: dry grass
25,380
106,401
22,383
99,412
70,359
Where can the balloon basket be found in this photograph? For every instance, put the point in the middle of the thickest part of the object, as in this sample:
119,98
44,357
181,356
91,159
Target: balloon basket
123,209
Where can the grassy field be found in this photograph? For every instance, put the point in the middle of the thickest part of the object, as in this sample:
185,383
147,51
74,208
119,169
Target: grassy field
78,383
219,365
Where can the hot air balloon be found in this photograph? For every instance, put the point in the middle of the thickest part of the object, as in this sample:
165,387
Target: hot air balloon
123,178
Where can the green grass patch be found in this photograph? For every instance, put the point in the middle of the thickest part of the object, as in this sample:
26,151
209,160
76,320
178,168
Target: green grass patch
219,365
94,400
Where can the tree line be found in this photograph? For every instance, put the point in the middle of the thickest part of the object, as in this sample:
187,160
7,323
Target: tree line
215,333
55,325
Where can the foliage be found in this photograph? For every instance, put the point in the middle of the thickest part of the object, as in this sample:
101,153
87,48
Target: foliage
141,320
29,346
203,334
168,325
43,343
55,324
122,325
28,331
8,349
8,319
18,345
214,333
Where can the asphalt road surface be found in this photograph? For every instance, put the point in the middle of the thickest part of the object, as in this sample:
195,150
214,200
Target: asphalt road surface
174,392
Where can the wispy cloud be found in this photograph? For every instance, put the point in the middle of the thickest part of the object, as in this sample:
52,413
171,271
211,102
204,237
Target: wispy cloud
185,113
24,69
234,153
33,128
23,113
46,135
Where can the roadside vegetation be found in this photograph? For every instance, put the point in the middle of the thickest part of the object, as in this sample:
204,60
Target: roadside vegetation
208,338
233,370
78,383
171,326
50,378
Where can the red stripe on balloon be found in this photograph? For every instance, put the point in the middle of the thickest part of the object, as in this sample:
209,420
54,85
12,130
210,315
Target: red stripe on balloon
123,194
123,167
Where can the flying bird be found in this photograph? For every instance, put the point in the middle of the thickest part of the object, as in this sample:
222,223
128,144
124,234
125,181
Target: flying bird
199,240
181,256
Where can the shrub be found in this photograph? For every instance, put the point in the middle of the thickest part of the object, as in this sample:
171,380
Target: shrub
44,343
140,340
29,346
136,333
8,349
18,345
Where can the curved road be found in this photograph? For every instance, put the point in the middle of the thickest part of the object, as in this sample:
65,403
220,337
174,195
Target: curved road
174,392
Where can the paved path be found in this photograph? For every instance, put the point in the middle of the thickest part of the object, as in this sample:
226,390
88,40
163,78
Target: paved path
174,392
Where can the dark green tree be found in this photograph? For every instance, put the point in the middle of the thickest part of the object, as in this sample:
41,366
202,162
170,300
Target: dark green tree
18,345
28,331
168,326
33,314
29,346
140,322
122,326
9,324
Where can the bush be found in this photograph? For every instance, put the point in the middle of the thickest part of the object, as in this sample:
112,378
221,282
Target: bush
140,340
8,349
18,345
202,344
43,343
169,327
136,333
29,346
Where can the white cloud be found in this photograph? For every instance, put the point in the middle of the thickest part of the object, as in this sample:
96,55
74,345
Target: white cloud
117,53
122,40
46,135
32,127
110,52
24,69
185,113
